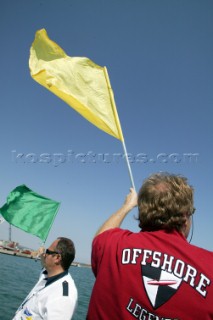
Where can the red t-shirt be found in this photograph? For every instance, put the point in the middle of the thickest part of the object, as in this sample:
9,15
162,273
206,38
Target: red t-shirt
150,276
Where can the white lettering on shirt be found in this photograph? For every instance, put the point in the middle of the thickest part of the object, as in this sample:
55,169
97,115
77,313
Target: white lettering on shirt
170,264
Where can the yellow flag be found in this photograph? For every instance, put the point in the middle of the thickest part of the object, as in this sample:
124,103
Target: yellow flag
81,83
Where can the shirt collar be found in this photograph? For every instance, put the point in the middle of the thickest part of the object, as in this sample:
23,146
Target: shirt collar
54,278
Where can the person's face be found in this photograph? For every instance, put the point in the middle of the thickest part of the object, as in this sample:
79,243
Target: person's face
50,258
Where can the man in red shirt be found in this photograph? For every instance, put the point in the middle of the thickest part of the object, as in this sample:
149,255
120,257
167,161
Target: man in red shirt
154,274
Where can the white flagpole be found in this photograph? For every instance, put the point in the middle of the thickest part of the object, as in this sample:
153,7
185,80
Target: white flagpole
128,164
118,125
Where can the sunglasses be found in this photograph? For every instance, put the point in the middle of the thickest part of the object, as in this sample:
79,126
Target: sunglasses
47,251
193,211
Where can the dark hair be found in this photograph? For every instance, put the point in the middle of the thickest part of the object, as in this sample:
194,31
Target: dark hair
66,248
164,202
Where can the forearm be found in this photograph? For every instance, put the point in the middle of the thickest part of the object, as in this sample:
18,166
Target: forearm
116,219
38,253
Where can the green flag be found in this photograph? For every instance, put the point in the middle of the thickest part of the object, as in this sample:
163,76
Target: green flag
30,211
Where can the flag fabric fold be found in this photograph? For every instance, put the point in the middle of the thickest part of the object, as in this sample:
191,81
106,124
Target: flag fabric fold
30,211
78,81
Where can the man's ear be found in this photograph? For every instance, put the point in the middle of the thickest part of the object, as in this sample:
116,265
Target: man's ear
187,225
58,259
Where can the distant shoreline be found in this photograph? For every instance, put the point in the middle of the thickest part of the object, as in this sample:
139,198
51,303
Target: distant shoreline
29,256
16,253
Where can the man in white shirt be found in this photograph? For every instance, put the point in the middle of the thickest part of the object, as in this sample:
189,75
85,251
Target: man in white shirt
54,297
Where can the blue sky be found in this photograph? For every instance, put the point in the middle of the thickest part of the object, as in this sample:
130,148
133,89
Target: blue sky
159,59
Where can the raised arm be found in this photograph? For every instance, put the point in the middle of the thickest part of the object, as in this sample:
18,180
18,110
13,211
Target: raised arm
116,218
38,253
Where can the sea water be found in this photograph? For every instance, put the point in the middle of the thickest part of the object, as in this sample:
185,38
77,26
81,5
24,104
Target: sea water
18,275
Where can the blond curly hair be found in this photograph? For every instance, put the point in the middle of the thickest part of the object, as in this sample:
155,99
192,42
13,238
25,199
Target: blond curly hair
164,202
